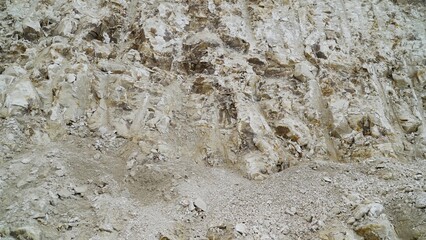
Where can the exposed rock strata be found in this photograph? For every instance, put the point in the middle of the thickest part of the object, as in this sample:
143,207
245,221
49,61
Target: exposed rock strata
251,85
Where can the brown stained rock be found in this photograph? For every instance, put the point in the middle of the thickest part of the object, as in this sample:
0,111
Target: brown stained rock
236,43
32,29
373,232
202,86
28,233
224,232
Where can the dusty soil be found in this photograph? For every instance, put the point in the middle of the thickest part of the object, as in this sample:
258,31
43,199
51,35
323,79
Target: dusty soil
74,189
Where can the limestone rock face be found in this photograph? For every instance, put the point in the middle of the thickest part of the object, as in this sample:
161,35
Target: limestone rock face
257,85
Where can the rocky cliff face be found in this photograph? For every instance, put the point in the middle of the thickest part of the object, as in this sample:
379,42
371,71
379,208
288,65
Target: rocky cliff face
256,86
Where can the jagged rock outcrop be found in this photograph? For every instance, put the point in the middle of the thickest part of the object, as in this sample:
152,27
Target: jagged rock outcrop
258,85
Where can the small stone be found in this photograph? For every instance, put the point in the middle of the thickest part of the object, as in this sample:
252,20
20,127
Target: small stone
200,204
53,201
351,220
53,153
97,156
380,166
21,183
387,176
327,179
38,215
361,211
80,189
375,210
184,203
292,211
191,206
421,200
26,160
285,230
130,164
64,193
302,71
418,176
60,173
320,223
106,227
241,228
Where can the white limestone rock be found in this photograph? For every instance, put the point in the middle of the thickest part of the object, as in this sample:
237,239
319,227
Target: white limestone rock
304,71
21,96
420,201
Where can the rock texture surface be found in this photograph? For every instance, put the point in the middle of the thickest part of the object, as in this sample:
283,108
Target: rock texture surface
156,118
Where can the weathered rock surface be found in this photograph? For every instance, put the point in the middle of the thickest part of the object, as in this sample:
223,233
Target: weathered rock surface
265,83
250,87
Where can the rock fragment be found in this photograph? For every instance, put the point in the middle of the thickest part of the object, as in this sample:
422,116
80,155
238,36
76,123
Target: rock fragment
31,28
241,228
302,71
80,189
421,200
27,232
377,229
291,211
21,183
64,193
26,160
327,179
97,156
60,173
372,209
200,205
22,96
375,210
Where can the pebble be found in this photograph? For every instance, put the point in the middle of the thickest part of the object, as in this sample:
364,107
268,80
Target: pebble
327,179
360,211
97,156
376,209
130,164
292,211
106,227
52,153
60,173
241,228
184,203
80,189
380,166
351,220
285,230
387,176
421,200
64,193
191,206
200,204
26,160
418,176
21,183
